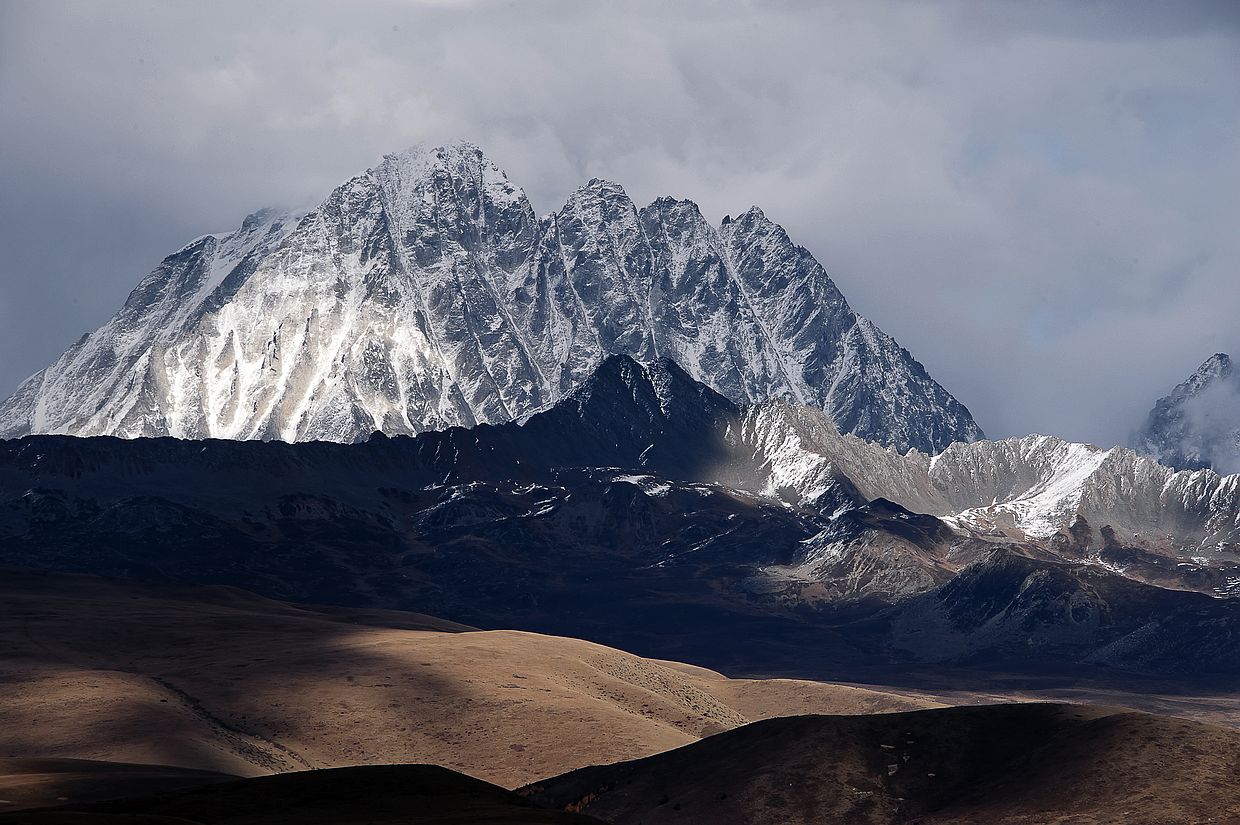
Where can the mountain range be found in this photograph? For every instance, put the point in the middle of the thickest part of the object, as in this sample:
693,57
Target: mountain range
647,511
425,293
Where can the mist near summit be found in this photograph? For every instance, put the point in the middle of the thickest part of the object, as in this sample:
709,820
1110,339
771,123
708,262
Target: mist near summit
1210,427
1053,236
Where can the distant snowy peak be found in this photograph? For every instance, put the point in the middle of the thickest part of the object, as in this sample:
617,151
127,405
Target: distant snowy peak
425,293
1198,424
1035,487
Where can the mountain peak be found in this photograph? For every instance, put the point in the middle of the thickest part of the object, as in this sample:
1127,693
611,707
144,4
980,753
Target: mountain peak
422,170
1197,425
1217,364
1217,367
262,217
681,210
424,294
663,380
754,223
598,190
643,414
752,215
448,152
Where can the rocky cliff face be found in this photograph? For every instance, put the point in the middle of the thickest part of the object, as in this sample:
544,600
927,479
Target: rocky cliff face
425,293
1197,426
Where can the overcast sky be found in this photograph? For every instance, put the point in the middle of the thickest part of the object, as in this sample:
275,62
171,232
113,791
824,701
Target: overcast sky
1040,200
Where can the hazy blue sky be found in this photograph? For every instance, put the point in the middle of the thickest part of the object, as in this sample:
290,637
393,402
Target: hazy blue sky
1040,200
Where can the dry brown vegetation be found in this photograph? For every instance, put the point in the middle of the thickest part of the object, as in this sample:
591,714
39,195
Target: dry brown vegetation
219,679
1029,763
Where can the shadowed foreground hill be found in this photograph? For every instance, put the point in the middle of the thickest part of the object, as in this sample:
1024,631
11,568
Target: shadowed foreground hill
1032,763
379,795
27,783
219,679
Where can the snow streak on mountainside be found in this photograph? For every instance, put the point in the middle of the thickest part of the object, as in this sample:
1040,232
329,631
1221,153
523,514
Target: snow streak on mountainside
1033,487
1198,424
425,293
115,379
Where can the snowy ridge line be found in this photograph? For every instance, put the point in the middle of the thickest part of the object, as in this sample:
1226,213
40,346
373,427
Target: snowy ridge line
1032,488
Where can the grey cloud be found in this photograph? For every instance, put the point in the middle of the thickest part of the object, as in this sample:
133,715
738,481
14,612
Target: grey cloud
1037,199
1210,428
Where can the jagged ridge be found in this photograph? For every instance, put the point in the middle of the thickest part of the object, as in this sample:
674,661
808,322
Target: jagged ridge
425,294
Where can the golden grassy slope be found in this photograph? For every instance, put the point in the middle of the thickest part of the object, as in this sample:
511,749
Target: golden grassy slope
219,679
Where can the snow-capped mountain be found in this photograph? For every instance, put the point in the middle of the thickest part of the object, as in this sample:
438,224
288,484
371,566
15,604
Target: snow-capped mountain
425,293
1031,488
1198,424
